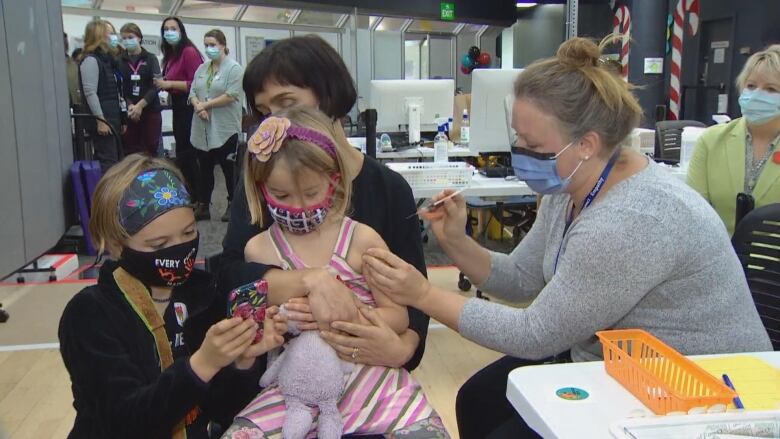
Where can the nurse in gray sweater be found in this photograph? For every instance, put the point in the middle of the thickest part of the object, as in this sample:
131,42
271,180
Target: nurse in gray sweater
618,243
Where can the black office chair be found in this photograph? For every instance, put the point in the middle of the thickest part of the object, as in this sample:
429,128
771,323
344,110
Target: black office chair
518,212
668,138
757,243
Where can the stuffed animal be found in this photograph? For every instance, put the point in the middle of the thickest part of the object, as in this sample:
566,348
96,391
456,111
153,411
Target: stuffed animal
309,374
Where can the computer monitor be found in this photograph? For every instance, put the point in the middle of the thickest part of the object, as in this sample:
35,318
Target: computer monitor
390,98
490,130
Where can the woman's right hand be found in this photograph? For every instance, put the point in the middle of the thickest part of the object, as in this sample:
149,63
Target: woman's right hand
448,220
224,342
329,299
103,128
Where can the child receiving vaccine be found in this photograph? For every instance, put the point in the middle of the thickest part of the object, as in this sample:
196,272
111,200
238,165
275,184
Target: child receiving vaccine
298,190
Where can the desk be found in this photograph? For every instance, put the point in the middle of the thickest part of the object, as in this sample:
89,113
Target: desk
423,152
482,186
531,390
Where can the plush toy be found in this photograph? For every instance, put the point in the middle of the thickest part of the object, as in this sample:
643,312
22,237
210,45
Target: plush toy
309,374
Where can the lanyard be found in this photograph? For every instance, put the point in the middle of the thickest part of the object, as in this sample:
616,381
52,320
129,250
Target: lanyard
212,72
587,202
135,68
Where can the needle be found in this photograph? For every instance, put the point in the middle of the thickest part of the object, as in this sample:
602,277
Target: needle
433,206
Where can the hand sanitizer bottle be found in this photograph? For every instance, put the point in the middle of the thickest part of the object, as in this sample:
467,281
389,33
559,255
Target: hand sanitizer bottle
464,128
440,145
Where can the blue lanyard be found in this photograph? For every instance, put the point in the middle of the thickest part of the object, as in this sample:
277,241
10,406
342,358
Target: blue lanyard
587,201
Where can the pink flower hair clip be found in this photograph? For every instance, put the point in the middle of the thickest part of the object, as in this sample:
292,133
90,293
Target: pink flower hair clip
268,138
273,131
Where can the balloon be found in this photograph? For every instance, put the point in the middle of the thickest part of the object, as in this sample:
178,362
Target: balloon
467,61
465,70
484,59
474,52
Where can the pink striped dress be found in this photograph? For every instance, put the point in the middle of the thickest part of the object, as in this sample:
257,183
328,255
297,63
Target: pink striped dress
376,400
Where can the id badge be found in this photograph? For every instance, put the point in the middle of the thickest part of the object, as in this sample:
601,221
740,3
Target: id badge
135,77
163,97
136,90
123,105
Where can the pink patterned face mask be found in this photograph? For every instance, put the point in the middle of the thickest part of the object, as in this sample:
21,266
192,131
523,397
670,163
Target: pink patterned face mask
299,220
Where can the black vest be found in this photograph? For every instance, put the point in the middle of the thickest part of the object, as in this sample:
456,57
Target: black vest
108,89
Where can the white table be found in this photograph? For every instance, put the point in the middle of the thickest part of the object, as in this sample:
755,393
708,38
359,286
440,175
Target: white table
423,152
482,186
531,390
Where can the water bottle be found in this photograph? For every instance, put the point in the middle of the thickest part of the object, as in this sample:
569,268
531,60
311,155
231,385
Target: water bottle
449,127
440,145
464,128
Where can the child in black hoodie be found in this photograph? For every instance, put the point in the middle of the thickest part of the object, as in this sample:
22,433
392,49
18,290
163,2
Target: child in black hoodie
149,349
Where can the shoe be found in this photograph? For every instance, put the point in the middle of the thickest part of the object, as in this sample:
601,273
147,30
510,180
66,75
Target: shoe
226,216
202,212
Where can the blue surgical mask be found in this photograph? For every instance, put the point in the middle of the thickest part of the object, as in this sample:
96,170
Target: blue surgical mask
113,40
212,52
540,171
759,106
172,36
130,43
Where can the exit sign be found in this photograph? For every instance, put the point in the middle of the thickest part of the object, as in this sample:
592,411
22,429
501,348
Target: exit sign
447,11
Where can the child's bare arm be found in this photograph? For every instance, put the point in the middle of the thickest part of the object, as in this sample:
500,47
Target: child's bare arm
283,285
396,316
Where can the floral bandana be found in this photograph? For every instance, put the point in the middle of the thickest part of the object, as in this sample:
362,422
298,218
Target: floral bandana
272,133
151,194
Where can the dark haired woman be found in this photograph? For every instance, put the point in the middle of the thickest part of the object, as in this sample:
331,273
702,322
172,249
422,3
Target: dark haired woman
307,71
180,61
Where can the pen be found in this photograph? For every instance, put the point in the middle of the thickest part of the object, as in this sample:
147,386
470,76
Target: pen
433,206
737,401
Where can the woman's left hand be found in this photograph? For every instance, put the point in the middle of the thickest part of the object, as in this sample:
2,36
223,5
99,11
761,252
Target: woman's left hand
200,106
393,276
162,84
373,343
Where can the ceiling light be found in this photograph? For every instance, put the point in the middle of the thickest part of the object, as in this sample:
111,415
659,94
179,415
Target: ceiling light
524,5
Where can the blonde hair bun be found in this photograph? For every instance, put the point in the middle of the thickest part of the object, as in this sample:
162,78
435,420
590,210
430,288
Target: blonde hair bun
578,52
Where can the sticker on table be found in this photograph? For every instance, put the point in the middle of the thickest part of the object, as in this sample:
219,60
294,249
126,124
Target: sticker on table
572,394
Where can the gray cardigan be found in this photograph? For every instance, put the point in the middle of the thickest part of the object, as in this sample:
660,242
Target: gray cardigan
650,254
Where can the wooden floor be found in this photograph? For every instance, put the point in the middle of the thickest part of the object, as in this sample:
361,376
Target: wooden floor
36,400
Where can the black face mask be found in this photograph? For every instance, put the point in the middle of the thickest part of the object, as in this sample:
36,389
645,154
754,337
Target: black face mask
168,267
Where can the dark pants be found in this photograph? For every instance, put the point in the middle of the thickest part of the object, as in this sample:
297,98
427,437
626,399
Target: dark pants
482,409
186,155
144,135
206,162
106,150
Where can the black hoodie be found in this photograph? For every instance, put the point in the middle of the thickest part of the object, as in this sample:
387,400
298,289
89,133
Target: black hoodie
118,388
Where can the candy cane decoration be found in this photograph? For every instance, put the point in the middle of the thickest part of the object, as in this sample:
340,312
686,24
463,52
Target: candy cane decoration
622,26
683,6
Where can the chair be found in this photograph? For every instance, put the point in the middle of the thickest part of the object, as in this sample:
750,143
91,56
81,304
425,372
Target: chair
668,138
757,243
517,212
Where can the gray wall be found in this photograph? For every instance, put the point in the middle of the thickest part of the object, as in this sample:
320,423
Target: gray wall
538,33
390,45
35,146
441,62
648,40
755,27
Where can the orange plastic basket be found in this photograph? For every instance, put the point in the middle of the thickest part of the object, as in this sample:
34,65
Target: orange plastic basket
662,378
